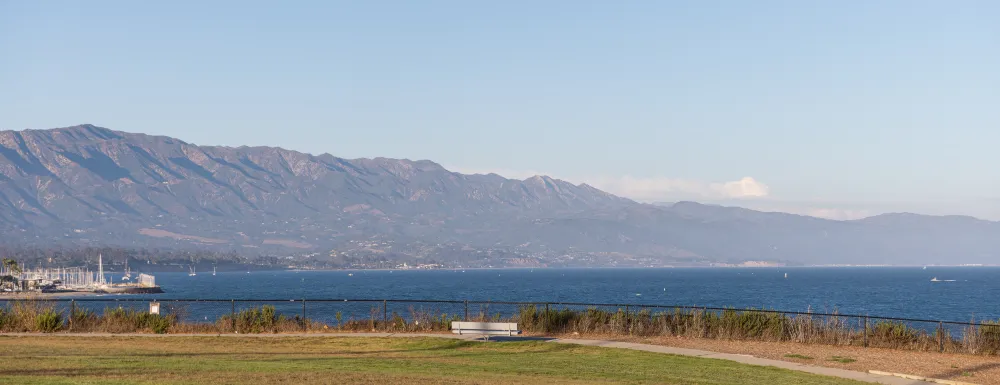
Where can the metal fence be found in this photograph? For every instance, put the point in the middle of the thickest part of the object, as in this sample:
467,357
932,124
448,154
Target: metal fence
317,315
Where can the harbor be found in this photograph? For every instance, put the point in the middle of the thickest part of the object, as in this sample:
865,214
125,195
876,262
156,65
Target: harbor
70,280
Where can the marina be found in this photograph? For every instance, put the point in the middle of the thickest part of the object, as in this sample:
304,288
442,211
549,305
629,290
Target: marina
73,280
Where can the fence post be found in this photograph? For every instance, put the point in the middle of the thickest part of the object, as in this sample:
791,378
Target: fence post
385,314
704,322
628,328
232,316
781,337
305,325
866,331
466,311
546,328
72,310
941,335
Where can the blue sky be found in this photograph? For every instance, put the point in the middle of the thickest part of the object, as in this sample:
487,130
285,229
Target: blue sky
833,108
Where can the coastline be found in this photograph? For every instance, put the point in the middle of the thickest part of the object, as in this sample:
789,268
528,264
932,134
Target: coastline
40,295
59,295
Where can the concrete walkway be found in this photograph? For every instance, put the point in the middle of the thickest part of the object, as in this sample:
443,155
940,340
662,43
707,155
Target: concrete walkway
743,359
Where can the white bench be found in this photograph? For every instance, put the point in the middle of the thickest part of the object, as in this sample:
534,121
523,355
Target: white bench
485,328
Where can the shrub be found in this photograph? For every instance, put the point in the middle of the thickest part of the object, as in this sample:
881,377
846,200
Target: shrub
48,321
983,339
750,324
254,320
81,318
894,334
121,320
159,324
22,316
5,318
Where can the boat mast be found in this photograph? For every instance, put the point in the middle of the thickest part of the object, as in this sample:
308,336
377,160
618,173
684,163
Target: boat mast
100,269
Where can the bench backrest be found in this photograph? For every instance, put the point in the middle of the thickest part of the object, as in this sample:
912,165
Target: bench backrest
484,327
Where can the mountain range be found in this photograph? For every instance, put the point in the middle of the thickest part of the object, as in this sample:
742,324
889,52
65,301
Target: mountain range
89,185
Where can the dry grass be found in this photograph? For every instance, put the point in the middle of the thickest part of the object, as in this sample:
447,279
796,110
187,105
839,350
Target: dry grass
958,367
741,325
755,325
226,360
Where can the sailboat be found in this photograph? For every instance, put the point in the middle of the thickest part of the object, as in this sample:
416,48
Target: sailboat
213,270
935,279
128,273
192,272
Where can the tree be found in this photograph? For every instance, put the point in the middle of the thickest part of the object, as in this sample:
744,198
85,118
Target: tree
11,266
13,271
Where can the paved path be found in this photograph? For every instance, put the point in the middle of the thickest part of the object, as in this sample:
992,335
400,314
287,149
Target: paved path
743,359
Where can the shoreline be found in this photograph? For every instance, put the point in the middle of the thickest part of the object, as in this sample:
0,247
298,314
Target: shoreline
36,295
646,267
60,295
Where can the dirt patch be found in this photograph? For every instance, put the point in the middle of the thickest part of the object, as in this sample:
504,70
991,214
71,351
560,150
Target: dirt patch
288,243
957,367
167,234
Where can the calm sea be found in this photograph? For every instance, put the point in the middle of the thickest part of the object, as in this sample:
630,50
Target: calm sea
963,293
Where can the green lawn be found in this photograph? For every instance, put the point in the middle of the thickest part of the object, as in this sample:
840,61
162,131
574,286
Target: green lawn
227,360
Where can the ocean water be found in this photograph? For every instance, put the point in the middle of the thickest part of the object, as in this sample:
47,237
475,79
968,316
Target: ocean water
964,293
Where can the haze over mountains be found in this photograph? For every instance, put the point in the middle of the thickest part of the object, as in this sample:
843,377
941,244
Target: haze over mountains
91,185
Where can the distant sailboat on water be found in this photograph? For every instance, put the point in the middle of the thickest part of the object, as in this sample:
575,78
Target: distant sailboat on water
192,273
786,275
213,270
128,273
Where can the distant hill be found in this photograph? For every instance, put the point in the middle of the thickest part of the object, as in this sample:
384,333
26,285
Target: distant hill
94,186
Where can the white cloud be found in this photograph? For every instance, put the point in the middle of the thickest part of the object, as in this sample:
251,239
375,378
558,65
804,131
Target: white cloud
755,195
649,189
749,193
743,188
667,189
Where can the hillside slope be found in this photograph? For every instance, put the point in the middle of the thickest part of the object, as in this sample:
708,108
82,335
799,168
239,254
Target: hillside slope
91,185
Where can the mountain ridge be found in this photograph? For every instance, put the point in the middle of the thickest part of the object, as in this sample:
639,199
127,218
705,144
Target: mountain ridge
91,185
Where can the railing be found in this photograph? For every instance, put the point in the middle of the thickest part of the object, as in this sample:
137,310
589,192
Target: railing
401,315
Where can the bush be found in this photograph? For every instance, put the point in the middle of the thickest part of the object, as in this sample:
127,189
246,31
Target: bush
254,320
748,324
983,339
894,334
159,324
48,321
23,316
121,320
6,318
81,318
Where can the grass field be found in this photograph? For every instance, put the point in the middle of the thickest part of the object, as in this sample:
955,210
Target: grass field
211,360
